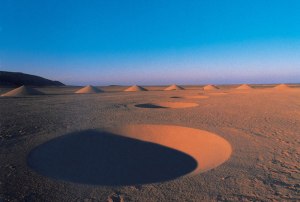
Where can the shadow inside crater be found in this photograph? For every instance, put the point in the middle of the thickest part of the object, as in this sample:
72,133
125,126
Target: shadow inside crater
149,105
102,158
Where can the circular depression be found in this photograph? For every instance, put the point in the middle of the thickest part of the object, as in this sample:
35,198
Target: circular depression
191,97
218,93
167,105
129,155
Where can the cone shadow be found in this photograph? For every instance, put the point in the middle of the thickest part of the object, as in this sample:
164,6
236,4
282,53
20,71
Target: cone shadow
102,158
149,105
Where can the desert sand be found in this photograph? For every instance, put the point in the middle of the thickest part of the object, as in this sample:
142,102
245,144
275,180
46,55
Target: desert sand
198,150
210,87
191,97
282,87
88,89
102,147
135,88
22,91
167,105
244,87
174,87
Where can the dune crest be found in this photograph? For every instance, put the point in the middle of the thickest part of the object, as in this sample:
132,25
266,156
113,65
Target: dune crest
88,89
174,87
22,91
135,88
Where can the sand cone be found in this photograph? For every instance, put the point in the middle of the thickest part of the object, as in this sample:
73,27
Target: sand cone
174,87
22,91
244,87
135,88
88,89
282,87
210,87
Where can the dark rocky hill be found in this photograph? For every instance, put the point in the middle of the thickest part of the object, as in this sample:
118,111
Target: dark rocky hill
19,79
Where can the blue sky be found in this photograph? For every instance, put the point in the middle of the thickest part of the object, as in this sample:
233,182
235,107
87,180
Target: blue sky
152,42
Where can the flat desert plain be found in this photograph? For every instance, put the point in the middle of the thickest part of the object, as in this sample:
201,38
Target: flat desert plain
182,145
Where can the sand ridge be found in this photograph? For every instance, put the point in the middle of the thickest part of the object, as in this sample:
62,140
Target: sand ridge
22,91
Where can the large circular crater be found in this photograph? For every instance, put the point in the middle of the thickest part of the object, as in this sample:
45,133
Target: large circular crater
167,105
129,155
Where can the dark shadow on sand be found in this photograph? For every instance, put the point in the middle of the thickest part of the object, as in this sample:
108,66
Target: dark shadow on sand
102,158
149,105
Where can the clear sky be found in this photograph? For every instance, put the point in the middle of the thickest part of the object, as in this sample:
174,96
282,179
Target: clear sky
152,41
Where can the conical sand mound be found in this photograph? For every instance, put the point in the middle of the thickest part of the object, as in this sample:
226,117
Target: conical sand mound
88,89
174,87
135,88
22,91
244,87
282,87
210,87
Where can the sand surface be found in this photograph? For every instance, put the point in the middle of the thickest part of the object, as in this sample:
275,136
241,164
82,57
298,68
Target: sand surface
88,89
22,91
282,87
135,88
244,87
174,87
261,126
210,87
129,154
173,105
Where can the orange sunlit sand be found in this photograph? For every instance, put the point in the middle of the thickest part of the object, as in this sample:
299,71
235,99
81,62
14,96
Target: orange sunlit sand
158,137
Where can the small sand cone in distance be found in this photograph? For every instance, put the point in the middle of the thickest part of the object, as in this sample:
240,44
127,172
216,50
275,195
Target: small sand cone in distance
174,87
282,87
135,88
244,87
210,87
88,89
22,91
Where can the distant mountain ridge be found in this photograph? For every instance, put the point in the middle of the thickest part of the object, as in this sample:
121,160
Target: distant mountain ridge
19,79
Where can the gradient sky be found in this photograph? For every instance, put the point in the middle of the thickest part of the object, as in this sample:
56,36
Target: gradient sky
152,42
